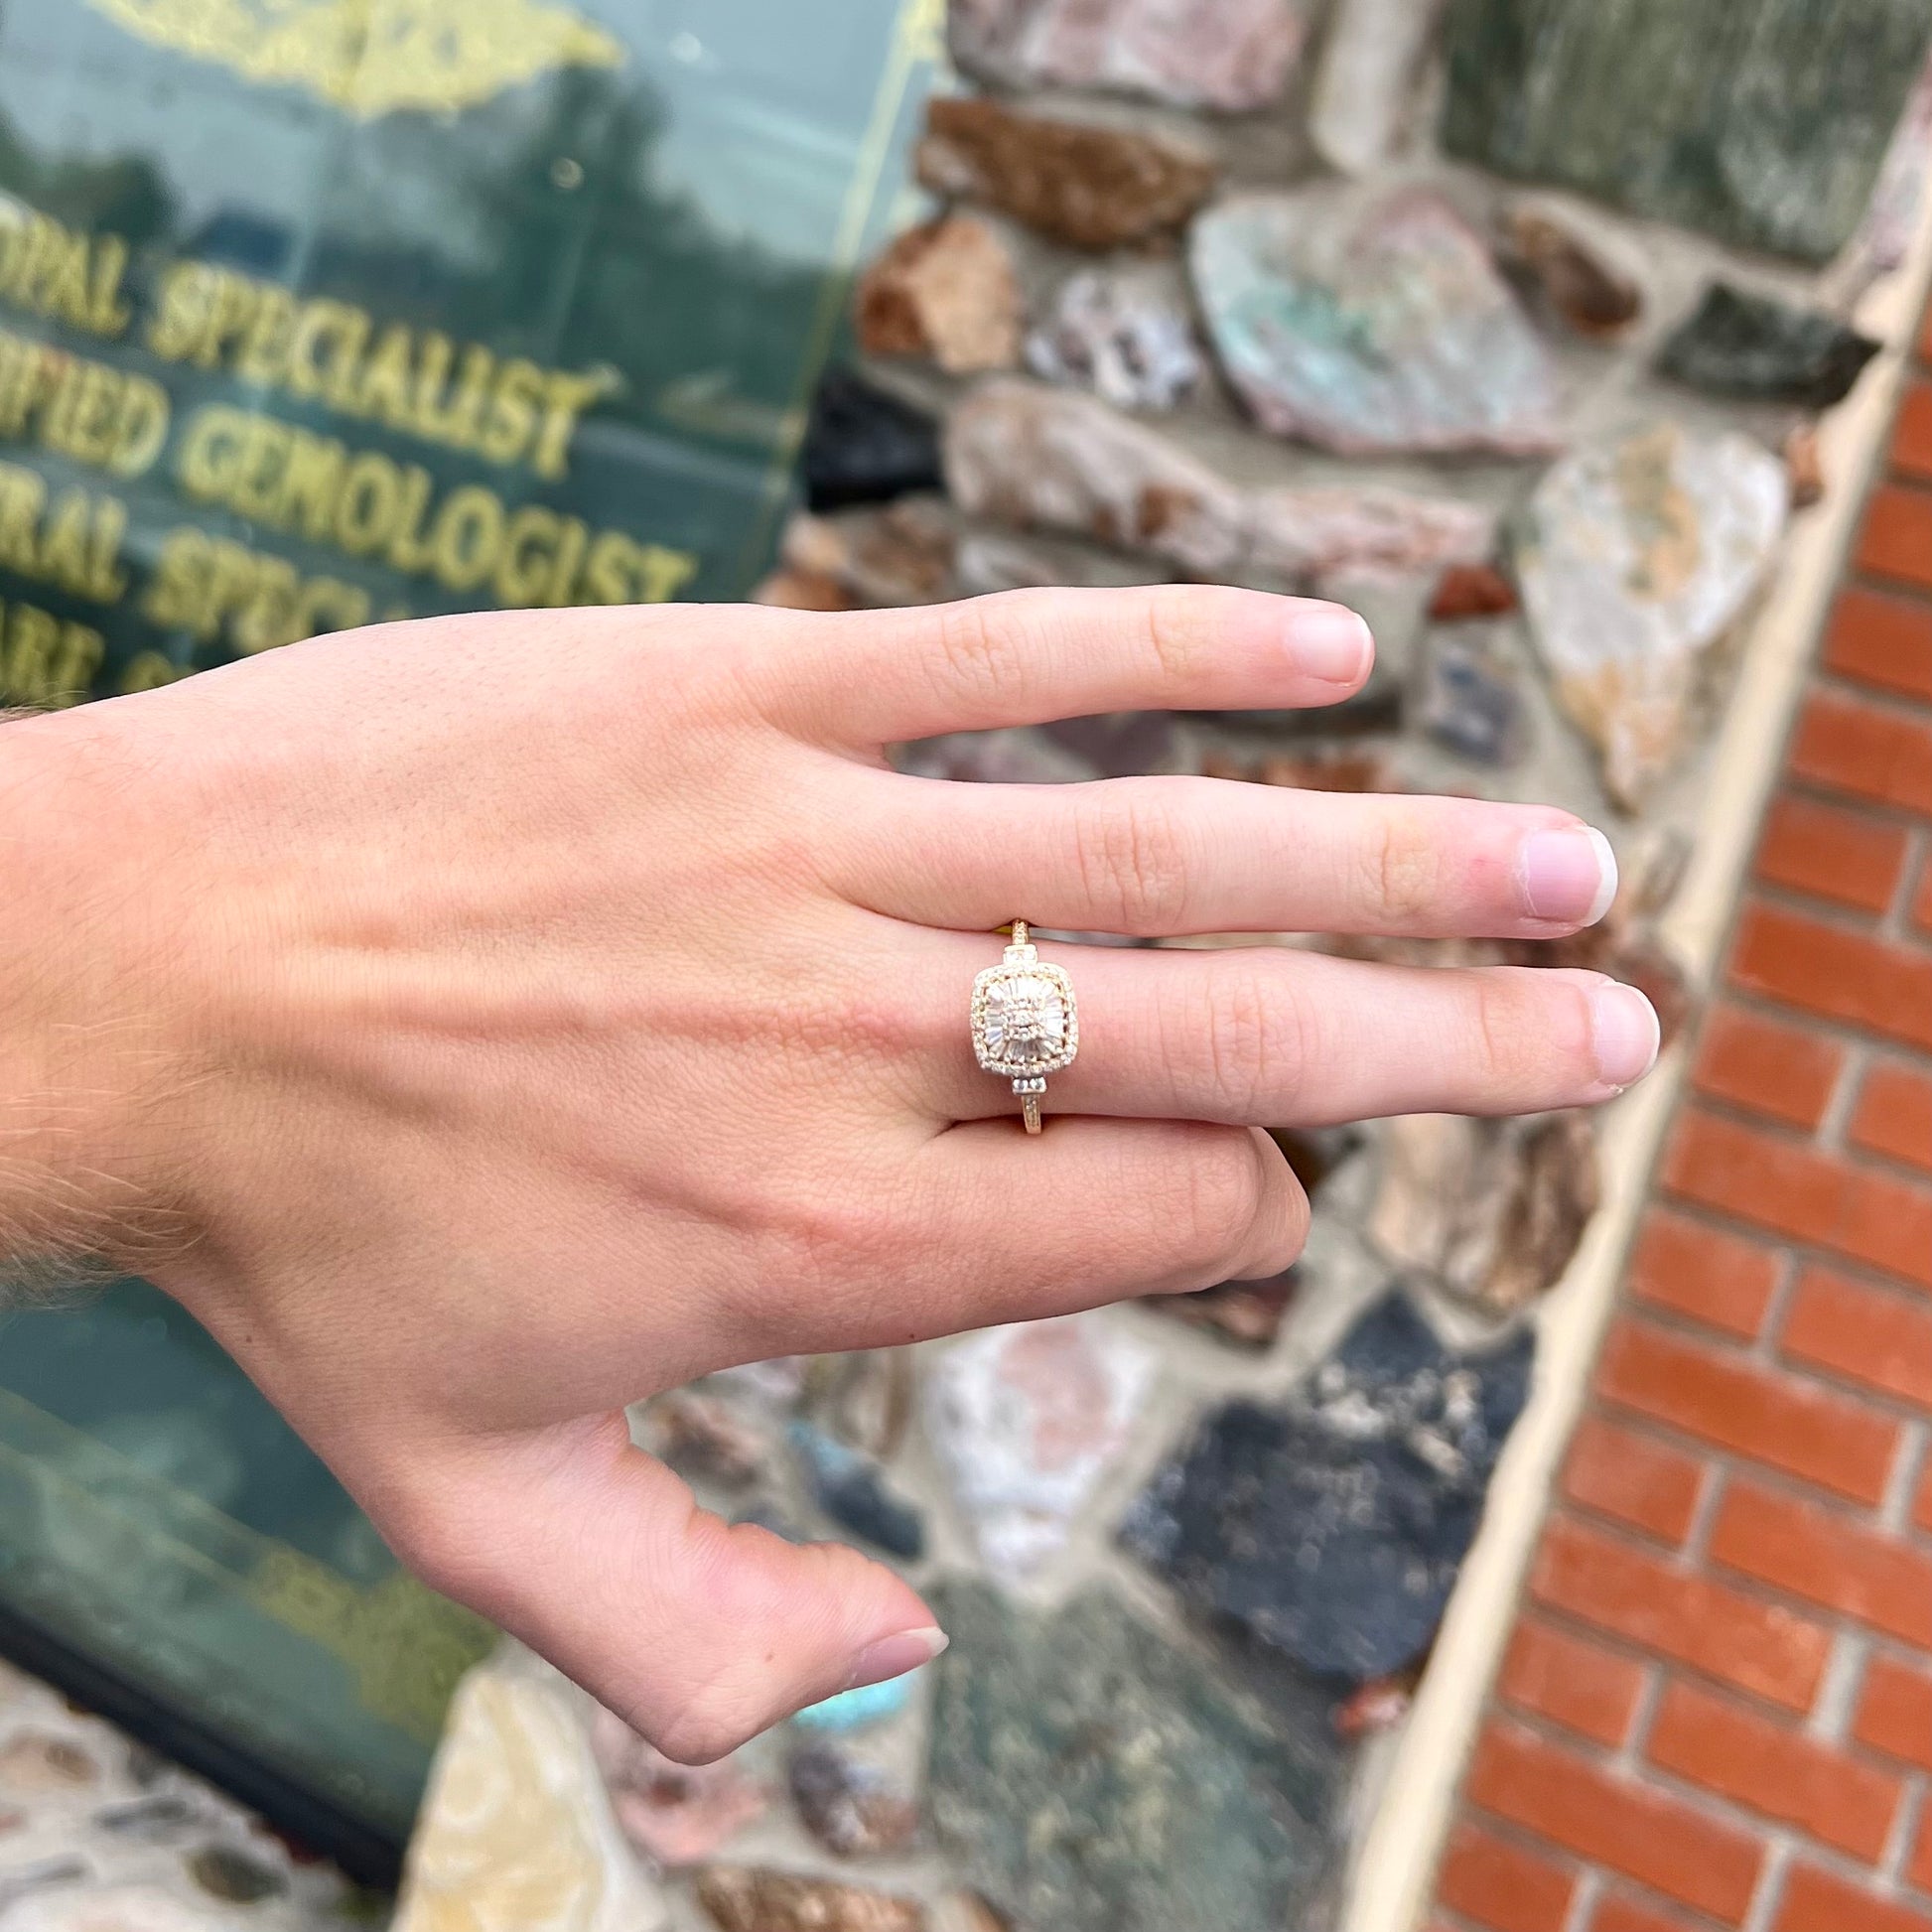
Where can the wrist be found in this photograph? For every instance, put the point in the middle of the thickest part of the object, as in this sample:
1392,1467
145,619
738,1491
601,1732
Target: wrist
77,1054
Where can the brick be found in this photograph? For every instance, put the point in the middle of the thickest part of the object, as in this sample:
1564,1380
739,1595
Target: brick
1769,1768
1726,1399
1847,744
1918,1869
1646,1484
1894,1713
1571,1682
1895,1115
1798,1191
1896,541
1923,1509
1832,853
1615,1913
1885,642
1922,906
1865,1334
1911,436
1840,975
1710,1276
1770,1068
1820,1901
1773,1652
1631,1828
1826,1559
1500,1886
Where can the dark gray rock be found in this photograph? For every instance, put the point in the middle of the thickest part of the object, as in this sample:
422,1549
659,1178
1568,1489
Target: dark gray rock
1087,1776
864,445
1738,343
1764,122
1332,1531
1470,702
851,1489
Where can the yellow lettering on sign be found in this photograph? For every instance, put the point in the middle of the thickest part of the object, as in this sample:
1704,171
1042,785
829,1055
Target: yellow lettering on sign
369,507
49,269
81,409
415,381
45,662
215,589
73,543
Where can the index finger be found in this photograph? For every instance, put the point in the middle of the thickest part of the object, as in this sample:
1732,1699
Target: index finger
1028,657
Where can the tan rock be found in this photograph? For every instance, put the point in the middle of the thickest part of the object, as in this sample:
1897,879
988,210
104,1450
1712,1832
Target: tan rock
944,290
1491,1211
1804,467
675,1814
516,1834
1044,459
880,558
1088,185
1365,533
741,1899
1365,91
801,589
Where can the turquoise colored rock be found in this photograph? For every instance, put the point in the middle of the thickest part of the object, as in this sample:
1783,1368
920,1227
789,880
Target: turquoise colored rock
870,1704
1371,323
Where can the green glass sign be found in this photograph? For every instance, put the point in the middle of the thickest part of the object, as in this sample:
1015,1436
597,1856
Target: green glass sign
317,313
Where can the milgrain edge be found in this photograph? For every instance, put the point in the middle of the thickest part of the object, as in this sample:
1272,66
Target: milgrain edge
1392,1877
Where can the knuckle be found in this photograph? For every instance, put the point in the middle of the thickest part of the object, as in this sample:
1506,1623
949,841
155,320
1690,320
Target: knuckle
1258,1036
1131,854
981,647
1223,1195
1174,636
1404,869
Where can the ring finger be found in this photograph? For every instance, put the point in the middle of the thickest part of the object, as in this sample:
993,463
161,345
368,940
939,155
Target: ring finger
1270,1036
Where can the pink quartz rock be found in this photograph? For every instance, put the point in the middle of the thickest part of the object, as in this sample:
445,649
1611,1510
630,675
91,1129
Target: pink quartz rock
673,1814
1231,55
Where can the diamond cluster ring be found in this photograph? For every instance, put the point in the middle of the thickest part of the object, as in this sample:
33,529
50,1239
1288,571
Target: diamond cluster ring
1026,1025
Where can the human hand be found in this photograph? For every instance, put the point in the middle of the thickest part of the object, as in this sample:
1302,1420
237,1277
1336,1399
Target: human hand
484,1024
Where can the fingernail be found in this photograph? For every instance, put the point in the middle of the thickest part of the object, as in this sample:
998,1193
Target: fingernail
1568,876
895,1656
1334,646
1625,1035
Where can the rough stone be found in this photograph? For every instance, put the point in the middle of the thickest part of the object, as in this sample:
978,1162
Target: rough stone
897,554
1121,334
1588,280
1341,769
1044,459
1741,344
852,1489
992,561
1228,55
33,1761
1765,123
865,1399
113,1909
1491,1211
1333,1530
1371,322
1804,468
1087,186
1472,591
863,445
741,1898
801,589
516,1831
1088,1776
676,1815
1327,538
1470,702
945,290
233,1876
1122,744
849,1807
1026,1420
707,1440
1020,756
1380,1706
1364,91
1636,555
1247,1313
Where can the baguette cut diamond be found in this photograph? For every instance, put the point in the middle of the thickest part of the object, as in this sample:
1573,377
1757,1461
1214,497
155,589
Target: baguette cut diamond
1025,1021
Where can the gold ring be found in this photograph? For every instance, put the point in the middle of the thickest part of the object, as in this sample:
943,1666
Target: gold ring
1025,1022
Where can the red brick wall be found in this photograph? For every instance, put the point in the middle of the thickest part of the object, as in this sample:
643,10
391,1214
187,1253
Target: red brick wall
1717,1706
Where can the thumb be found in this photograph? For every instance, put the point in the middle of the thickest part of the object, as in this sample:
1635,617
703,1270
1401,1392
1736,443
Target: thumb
697,1633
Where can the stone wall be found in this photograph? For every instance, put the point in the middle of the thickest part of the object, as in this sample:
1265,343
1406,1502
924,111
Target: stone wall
1200,294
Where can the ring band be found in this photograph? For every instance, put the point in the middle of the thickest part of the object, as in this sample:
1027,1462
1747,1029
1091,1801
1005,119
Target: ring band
1025,1022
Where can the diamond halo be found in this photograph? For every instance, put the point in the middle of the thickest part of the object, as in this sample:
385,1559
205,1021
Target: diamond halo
1025,1022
